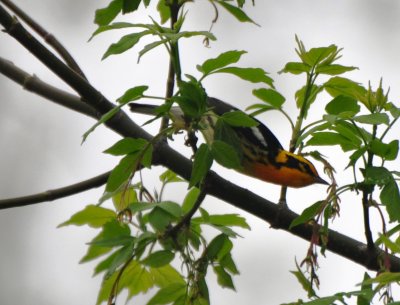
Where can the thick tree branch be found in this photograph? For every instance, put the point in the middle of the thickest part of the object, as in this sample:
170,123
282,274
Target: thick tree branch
51,195
216,186
48,37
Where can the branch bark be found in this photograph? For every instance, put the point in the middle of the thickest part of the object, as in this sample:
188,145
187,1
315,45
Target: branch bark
54,194
279,217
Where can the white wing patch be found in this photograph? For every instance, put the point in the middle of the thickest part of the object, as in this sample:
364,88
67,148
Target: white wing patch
259,135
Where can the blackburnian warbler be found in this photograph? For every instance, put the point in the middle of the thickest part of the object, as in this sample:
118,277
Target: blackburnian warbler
262,157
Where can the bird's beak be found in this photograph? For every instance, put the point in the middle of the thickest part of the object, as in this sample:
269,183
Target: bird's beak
320,180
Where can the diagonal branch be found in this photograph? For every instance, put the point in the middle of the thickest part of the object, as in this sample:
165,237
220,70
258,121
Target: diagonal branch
51,195
166,156
48,37
34,84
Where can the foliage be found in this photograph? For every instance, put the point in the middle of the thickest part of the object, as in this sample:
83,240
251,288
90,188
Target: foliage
142,240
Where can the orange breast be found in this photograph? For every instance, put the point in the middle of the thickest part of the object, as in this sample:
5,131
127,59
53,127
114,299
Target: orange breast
283,176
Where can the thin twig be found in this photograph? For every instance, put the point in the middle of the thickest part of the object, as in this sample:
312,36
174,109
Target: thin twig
55,193
48,37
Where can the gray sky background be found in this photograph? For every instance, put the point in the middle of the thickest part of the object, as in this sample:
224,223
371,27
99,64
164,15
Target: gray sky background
40,141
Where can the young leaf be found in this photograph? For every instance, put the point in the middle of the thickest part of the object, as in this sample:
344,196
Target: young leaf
343,86
254,75
333,69
215,246
308,214
136,279
92,215
190,199
165,275
239,119
132,94
168,294
331,138
373,119
124,198
105,15
121,173
164,11
221,61
129,6
383,150
270,96
159,258
125,43
202,163
169,176
342,104
171,208
126,146
296,68
225,154
238,13
160,219
390,197
224,278
229,220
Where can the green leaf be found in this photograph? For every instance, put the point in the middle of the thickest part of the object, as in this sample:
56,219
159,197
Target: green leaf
105,15
223,60
304,282
228,263
160,219
254,75
132,94
171,208
94,251
104,118
114,26
366,297
238,13
384,278
343,105
159,258
121,257
92,215
126,146
216,246
270,96
229,220
164,11
333,69
343,86
224,278
386,151
308,214
225,154
377,175
239,119
113,241
151,46
331,138
169,176
165,275
121,173
192,98
390,197
316,55
136,279
296,68
168,294
392,246
224,132
373,118
129,6
125,43
311,96
190,199
202,163
124,198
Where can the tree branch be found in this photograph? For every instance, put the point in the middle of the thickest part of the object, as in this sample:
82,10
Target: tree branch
51,195
48,37
165,156
34,84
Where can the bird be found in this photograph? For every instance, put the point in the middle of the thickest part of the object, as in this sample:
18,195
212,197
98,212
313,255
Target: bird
263,157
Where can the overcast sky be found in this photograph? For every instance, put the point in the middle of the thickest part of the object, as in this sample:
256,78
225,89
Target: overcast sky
41,142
